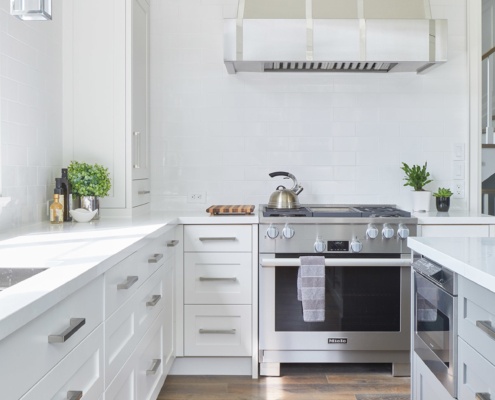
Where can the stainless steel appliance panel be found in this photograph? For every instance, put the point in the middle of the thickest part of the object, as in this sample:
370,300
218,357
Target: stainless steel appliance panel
435,332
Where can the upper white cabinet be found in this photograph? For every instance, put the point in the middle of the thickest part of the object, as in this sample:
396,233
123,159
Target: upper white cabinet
106,95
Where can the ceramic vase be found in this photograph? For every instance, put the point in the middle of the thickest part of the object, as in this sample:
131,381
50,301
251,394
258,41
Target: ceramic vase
421,200
443,204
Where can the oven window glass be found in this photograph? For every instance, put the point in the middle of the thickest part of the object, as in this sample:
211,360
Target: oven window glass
433,327
357,299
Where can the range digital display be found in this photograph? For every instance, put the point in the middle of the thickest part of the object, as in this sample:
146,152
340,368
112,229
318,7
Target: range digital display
338,245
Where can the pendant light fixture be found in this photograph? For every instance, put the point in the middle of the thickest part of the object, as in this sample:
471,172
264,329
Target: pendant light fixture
31,10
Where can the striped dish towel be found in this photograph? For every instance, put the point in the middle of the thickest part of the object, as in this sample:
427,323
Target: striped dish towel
311,287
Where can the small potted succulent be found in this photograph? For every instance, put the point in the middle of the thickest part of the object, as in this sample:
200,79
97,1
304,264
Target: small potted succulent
418,177
89,183
442,196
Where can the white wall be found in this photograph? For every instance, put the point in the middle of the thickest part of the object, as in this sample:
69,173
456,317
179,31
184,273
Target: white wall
343,136
30,114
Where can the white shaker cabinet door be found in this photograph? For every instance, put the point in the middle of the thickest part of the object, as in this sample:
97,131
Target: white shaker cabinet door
140,89
79,375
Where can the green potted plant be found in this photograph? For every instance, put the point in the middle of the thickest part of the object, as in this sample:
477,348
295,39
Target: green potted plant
418,177
442,197
89,182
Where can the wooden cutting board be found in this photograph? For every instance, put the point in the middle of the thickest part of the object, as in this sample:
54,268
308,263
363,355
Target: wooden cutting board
230,209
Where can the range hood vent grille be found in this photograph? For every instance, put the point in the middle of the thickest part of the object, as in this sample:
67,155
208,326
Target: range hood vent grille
334,36
328,67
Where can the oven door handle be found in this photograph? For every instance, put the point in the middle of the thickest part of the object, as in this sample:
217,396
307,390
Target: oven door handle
340,262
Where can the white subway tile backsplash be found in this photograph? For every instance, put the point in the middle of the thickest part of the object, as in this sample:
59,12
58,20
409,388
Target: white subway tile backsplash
30,115
343,136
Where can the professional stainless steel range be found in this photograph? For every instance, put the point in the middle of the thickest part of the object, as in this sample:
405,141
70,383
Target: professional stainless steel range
367,285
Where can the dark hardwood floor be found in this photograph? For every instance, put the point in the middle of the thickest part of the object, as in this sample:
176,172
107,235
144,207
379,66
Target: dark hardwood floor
297,382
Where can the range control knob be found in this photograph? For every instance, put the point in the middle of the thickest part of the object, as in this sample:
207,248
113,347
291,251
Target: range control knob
272,232
372,231
320,245
288,231
387,231
356,245
403,231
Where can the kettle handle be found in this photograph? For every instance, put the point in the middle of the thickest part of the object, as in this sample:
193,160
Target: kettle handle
279,173
296,188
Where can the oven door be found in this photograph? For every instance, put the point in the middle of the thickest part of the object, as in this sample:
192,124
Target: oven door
435,314
367,302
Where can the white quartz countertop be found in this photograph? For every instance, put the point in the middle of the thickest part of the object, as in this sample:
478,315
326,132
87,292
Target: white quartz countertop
472,258
453,217
74,254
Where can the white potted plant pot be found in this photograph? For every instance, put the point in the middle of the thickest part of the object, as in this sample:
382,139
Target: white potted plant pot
421,200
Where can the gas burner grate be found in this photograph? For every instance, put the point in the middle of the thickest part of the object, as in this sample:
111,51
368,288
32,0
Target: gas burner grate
383,212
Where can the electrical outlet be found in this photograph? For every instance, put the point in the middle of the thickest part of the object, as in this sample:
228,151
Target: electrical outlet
196,197
459,190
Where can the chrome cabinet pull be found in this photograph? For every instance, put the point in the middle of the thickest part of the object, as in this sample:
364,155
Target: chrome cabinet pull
74,325
131,280
154,300
207,278
172,243
144,191
137,150
486,326
205,239
74,395
155,258
154,367
221,331
482,396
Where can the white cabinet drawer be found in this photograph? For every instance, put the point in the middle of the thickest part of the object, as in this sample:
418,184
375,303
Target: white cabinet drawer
121,282
477,317
219,330
141,193
38,355
123,387
217,238
169,316
126,326
217,278
124,279
455,230
81,371
476,374
142,375
149,363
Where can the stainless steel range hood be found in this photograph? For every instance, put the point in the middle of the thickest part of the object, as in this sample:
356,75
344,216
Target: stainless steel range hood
334,36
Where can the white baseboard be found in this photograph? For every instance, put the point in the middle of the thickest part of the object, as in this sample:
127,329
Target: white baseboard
211,366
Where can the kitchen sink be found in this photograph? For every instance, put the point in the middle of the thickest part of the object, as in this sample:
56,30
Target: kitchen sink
11,276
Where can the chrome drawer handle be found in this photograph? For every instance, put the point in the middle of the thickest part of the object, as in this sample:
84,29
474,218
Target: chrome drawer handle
221,331
155,258
137,150
486,326
206,278
482,396
205,239
154,367
172,243
74,325
74,395
144,191
131,280
154,300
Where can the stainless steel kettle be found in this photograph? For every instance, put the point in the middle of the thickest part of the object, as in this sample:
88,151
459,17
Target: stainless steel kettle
284,198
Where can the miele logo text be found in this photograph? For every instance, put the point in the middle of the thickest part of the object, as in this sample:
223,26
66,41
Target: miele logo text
337,340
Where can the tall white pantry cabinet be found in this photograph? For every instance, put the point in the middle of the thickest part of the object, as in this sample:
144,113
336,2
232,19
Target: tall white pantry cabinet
106,96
